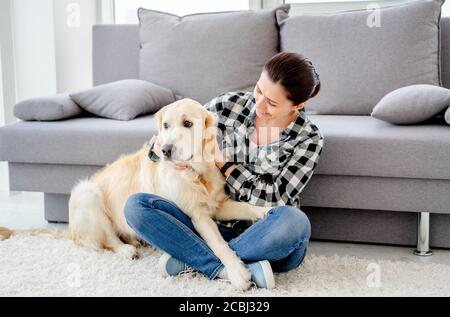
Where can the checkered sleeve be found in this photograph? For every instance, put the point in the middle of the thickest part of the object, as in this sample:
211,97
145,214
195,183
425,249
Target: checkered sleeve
223,108
224,105
264,190
218,104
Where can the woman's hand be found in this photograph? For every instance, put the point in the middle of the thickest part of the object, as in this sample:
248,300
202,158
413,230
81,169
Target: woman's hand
219,157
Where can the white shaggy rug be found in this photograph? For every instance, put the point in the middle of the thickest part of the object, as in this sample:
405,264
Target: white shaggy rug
44,266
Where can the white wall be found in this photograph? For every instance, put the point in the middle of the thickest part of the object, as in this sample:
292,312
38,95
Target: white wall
73,20
2,104
7,82
34,48
7,60
52,45
42,55
3,165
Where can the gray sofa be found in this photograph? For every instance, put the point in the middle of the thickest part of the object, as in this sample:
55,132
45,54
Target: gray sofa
372,182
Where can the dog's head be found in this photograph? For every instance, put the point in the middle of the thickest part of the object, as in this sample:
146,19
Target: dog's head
186,132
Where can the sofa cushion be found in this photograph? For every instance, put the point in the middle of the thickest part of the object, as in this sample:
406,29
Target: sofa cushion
79,141
447,115
124,99
354,145
201,56
49,108
360,61
412,104
366,146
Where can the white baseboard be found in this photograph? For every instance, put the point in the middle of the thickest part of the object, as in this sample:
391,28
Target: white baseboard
4,180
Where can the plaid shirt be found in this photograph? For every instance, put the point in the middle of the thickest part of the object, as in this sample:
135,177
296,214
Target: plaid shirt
266,175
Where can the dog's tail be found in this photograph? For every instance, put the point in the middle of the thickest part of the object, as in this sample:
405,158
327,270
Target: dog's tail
6,233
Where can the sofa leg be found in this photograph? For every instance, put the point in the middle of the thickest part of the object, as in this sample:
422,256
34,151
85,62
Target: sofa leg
423,234
56,207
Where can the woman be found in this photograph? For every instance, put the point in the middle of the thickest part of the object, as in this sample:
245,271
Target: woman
267,150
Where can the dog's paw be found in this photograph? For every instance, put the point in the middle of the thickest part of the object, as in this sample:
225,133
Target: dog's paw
239,276
261,212
5,233
128,251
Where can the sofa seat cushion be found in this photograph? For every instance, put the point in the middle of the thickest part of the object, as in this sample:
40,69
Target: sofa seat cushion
366,146
354,145
79,141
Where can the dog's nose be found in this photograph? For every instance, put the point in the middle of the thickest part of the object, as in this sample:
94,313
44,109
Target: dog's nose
167,150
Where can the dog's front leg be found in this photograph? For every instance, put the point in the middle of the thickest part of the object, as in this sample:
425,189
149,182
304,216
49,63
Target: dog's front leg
237,273
236,210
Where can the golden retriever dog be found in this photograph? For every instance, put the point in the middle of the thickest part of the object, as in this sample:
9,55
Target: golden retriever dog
186,134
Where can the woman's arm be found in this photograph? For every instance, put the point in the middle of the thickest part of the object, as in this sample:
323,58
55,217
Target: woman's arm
217,106
221,159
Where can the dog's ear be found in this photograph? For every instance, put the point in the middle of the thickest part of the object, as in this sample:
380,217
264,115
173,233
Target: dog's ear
210,120
209,142
159,118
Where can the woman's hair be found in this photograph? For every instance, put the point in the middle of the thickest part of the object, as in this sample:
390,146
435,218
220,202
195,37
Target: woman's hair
296,74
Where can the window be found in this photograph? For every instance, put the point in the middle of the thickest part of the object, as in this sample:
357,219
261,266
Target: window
125,11
330,6
446,9
2,106
314,1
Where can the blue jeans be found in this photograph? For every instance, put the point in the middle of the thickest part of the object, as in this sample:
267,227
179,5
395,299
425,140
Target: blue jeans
282,237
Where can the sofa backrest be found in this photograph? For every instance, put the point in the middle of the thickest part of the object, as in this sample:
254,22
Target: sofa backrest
445,51
116,52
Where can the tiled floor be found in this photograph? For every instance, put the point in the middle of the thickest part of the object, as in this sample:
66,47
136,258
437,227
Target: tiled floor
26,210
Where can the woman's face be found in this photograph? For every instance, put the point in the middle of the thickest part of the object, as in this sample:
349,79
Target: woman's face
271,99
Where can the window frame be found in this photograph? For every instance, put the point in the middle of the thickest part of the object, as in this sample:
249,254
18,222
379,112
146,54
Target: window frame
108,9
305,7
319,7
